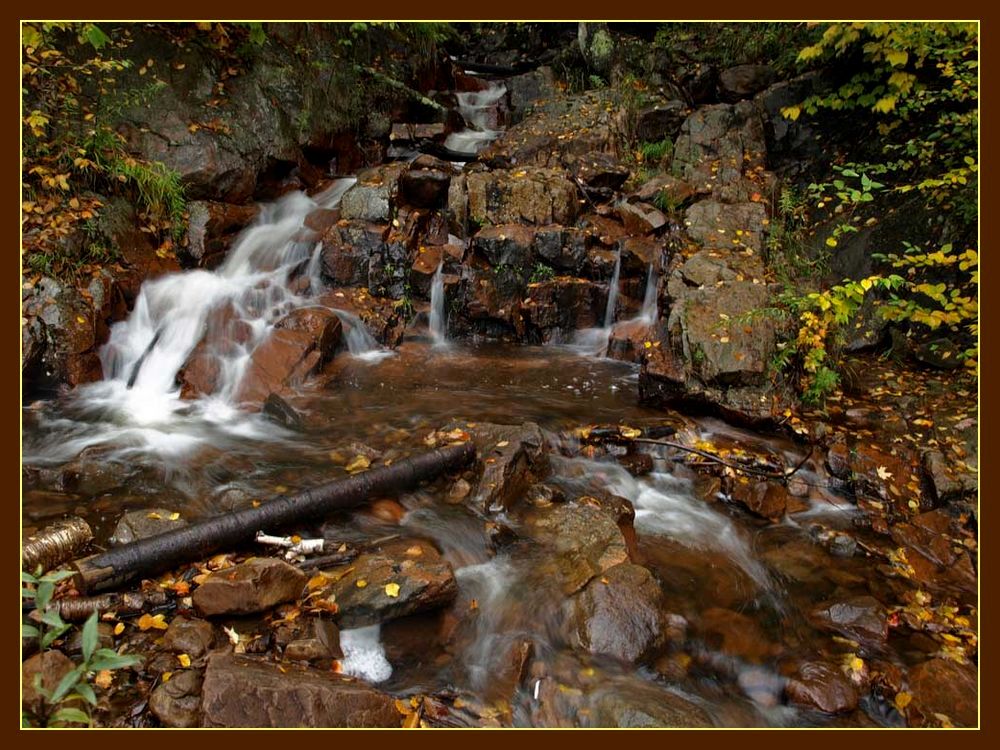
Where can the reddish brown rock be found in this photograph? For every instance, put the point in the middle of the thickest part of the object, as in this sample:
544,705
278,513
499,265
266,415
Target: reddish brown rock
253,586
942,686
820,685
735,634
766,499
177,702
52,666
861,618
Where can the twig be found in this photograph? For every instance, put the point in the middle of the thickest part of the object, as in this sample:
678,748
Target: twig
782,476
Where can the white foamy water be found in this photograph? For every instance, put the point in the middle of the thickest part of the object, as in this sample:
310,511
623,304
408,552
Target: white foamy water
438,322
478,109
593,342
364,654
138,408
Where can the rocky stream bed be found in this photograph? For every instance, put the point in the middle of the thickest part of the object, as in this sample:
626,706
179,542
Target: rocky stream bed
779,568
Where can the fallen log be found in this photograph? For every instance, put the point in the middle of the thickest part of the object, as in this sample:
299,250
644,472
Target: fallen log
197,540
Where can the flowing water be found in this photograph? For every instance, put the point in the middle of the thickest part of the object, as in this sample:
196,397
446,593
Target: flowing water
131,441
438,322
479,110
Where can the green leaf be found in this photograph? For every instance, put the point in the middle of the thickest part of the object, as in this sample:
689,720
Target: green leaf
51,618
107,659
30,36
43,595
70,716
897,58
28,631
67,683
26,577
849,173
53,635
93,35
89,640
85,691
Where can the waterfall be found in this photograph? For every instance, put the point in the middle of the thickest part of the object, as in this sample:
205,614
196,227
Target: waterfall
475,106
609,312
650,309
438,321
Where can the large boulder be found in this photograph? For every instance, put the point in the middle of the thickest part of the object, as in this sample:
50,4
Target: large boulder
348,248
743,81
618,614
862,618
253,586
402,578
212,226
945,687
372,197
247,692
531,195
512,458
563,304
720,225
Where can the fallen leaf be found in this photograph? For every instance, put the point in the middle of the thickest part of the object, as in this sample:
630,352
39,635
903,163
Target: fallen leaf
234,637
147,622
883,473
902,700
103,679
119,628
359,463
392,589
361,583
184,659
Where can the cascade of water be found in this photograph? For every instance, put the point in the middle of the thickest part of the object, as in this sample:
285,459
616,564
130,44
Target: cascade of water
609,312
649,301
438,322
475,106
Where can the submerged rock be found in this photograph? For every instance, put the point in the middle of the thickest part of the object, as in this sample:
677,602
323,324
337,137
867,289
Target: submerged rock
861,618
618,614
248,692
139,524
942,686
822,686
253,586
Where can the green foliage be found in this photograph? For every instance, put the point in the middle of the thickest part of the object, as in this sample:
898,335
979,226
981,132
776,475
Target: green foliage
541,272
786,249
727,44
658,152
60,705
914,86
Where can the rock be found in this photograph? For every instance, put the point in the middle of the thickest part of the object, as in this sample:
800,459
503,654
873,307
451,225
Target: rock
618,614
189,636
253,586
675,191
211,228
279,411
177,702
246,692
942,686
634,705
564,304
948,482
411,132
52,665
662,122
424,579
531,195
628,340
722,150
586,541
425,188
105,639
299,345
348,250
600,170
735,634
372,196
716,225
512,457
507,244
743,81
458,206
320,220
861,618
523,90
636,464
822,686
561,247
640,218
139,524
766,499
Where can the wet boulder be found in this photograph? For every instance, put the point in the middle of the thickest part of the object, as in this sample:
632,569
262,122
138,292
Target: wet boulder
189,635
252,586
512,458
530,195
949,482
665,189
945,687
563,304
713,224
635,705
765,499
211,229
371,198
563,248
600,171
348,248
140,524
248,692
425,187
585,542
404,577
661,122
861,618
735,634
177,702
619,613
640,218
822,686
505,245
629,338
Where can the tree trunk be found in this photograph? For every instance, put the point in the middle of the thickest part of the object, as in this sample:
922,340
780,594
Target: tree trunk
153,554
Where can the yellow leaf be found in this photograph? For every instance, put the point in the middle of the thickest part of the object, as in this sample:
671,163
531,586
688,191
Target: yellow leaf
503,444
148,622
119,628
361,583
165,677
902,700
154,515
317,581
791,113
392,589
103,679
883,473
184,659
358,464
80,319
831,241
885,104
174,516
897,59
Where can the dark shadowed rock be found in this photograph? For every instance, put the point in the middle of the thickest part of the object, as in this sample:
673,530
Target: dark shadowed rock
281,412
823,686
661,122
942,686
253,586
189,636
618,614
211,228
675,192
564,304
861,618
600,170
424,580
177,702
52,666
512,456
246,692
633,706
506,244
743,81
139,524
425,188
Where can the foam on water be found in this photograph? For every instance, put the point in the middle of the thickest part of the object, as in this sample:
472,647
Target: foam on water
364,655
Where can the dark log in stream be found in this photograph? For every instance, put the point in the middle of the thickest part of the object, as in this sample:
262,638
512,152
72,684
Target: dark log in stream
117,566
